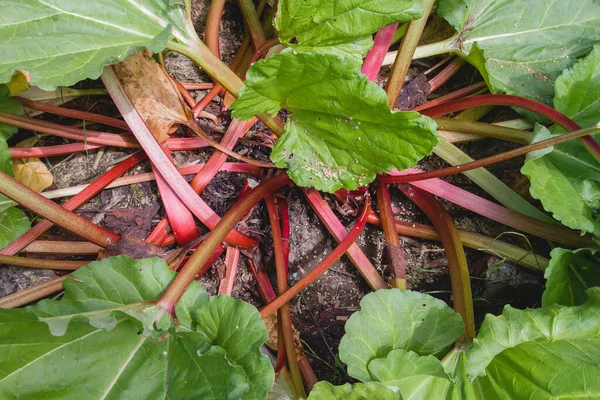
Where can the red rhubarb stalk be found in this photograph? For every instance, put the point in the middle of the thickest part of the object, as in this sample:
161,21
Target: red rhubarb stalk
337,230
284,315
375,56
37,203
501,214
63,265
33,293
214,239
457,94
445,74
232,258
519,102
323,266
168,171
77,201
395,254
180,218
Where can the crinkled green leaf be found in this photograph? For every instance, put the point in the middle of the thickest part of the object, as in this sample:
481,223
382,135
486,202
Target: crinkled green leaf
315,23
117,284
341,132
566,179
13,224
544,353
396,319
237,328
526,44
359,391
402,368
61,42
569,275
356,48
105,344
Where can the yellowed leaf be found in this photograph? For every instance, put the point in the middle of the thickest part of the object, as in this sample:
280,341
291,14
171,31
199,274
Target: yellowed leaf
18,83
154,95
32,172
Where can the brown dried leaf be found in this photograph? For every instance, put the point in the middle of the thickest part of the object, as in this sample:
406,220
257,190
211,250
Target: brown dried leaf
154,95
32,172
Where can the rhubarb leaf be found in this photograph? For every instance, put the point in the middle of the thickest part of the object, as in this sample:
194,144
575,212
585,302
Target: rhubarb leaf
569,275
566,178
237,328
316,24
544,353
341,132
396,319
523,46
61,42
13,224
107,333
359,391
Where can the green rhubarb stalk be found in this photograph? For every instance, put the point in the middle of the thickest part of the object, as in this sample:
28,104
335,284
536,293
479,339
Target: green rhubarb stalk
37,203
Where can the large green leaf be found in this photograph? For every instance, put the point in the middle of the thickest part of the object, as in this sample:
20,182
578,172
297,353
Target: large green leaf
359,391
341,131
566,178
396,319
61,42
545,353
569,275
106,346
323,26
401,366
522,46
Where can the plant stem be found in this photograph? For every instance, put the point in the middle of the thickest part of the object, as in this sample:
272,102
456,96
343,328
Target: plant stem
488,182
468,200
198,86
146,177
474,241
323,266
65,112
396,256
255,29
62,247
424,51
457,94
201,55
447,73
43,264
89,136
55,213
214,238
90,191
520,102
232,258
507,155
168,171
405,55
213,26
488,130
33,293
455,253
375,56
285,316
52,151
180,218
337,230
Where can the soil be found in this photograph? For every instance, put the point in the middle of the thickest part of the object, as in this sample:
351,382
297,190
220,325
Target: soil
320,312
